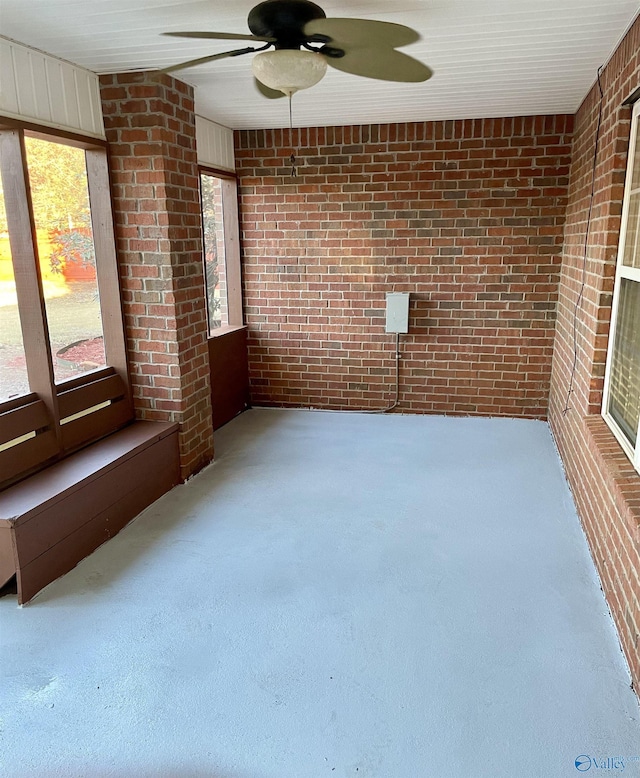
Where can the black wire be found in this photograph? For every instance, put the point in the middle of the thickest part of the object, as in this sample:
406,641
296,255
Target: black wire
585,251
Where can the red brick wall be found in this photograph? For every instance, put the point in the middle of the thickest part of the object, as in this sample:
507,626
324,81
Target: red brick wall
466,215
605,486
150,126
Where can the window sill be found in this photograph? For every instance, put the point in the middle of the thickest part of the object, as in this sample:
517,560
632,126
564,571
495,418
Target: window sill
226,330
620,476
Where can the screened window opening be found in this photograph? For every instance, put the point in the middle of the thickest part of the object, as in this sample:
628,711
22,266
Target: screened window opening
621,404
66,251
14,379
221,250
214,250
63,366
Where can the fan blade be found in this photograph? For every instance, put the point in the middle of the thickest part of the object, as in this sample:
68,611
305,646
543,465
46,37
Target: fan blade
272,94
383,64
201,60
223,36
357,33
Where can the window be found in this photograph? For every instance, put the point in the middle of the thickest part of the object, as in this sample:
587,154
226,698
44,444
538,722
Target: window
66,254
219,200
14,380
621,405
63,375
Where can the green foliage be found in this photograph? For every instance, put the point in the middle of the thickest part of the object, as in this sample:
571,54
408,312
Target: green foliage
58,182
210,192
71,246
60,198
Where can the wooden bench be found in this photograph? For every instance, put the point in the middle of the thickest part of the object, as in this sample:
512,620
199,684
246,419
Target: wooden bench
55,518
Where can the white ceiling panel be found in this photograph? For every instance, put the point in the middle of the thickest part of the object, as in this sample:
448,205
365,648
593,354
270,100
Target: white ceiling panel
490,57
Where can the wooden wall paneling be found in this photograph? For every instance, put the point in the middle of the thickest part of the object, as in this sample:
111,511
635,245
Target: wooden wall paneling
214,144
27,455
22,420
40,88
95,425
89,394
229,375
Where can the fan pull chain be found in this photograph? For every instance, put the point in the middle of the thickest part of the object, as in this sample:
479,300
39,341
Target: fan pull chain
292,158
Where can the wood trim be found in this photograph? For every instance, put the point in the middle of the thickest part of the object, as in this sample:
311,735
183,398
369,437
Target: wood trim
85,378
18,402
231,227
47,133
95,425
107,267
217,172
21,421
633,98
22,239
82,397
99,422
226,329
24,457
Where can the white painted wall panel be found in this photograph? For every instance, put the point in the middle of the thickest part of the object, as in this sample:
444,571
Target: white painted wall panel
57,100
490,57
8,90
44,90
40,85
72,113
24,82
214,144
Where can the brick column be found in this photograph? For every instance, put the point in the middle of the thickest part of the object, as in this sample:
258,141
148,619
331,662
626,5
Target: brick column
150,126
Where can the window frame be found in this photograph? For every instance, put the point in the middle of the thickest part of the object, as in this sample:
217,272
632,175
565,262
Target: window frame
629,273
231,237
59,418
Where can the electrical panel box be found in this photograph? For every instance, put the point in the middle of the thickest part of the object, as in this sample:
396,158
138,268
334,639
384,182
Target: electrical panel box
397,312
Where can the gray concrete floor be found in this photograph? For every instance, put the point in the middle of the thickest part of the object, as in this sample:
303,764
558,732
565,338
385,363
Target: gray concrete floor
338,595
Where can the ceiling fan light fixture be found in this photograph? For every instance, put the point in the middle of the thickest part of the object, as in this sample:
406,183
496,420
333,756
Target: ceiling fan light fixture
289,70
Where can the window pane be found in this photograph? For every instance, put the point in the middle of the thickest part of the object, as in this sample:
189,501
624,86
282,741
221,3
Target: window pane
631,256
58,180
635,176
214,259
13,364
624,390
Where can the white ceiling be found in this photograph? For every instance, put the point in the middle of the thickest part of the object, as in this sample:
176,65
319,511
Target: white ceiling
490,57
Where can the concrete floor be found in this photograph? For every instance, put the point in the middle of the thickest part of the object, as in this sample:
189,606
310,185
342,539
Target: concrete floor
338,595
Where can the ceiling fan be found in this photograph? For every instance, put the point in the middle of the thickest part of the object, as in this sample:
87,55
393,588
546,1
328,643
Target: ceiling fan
303,41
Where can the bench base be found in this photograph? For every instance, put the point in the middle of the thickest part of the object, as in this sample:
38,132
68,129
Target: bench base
55,518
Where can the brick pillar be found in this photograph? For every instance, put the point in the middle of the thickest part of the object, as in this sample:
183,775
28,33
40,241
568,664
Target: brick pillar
150,127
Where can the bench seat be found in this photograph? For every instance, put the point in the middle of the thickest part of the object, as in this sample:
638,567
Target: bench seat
52,520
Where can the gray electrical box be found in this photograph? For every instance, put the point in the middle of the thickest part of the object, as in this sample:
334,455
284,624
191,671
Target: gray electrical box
397,312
